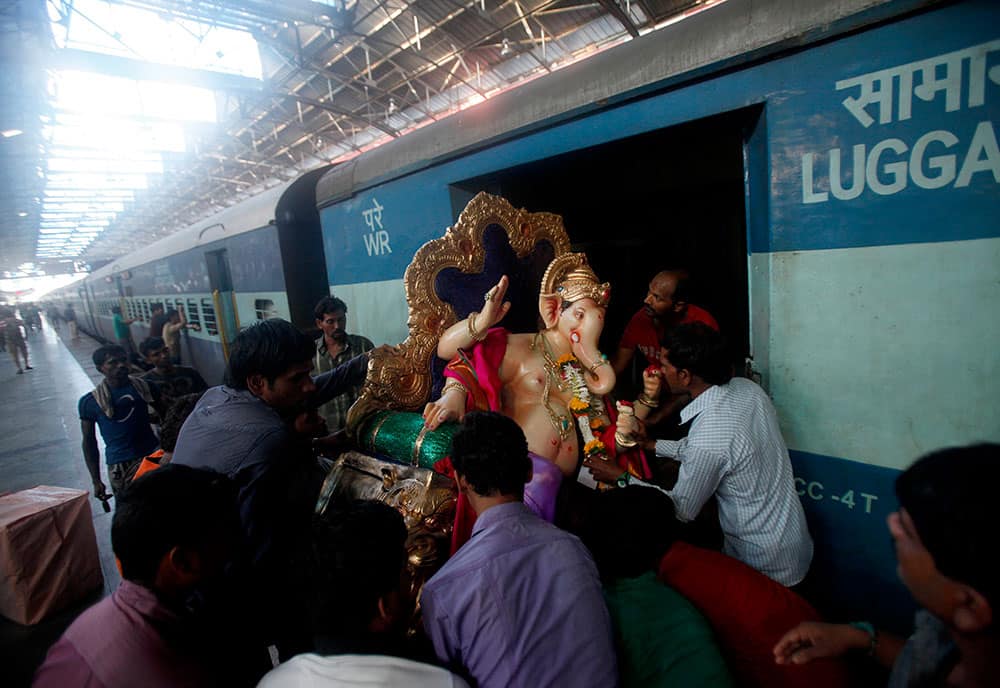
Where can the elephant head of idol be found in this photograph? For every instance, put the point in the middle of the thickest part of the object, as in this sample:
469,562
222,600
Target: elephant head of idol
572,303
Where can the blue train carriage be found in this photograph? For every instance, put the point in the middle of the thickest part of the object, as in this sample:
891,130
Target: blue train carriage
259,259
831,172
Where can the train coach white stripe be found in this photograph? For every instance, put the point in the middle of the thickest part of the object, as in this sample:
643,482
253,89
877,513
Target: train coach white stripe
880,354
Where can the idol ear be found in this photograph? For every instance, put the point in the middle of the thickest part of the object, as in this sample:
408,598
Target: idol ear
549,306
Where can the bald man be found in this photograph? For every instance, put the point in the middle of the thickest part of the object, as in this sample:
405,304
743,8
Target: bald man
665,306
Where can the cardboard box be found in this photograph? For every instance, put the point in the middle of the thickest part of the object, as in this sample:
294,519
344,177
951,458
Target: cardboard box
48,552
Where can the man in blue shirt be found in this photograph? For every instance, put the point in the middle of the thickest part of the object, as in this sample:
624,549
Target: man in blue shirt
520,603
243,429
119,407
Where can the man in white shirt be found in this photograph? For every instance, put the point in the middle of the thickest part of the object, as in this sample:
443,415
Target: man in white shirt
734,450
358,607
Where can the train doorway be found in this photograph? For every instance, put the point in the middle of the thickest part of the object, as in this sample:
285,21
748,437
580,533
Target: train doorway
220,280
674,197
89,307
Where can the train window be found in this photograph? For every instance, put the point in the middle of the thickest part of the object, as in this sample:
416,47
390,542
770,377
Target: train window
208,309
191,312
264,308
145,310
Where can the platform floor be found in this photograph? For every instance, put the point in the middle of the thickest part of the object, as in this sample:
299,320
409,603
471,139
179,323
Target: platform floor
40,445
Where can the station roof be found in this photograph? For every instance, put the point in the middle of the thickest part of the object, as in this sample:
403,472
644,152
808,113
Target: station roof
123,122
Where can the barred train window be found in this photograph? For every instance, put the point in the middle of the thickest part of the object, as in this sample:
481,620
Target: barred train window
265,309
208,308
191,312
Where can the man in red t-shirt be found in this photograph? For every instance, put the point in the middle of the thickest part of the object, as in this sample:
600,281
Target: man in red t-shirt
665,306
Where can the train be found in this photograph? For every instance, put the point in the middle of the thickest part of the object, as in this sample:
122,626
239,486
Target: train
828,170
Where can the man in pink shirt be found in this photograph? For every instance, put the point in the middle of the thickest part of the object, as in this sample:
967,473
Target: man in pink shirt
174,531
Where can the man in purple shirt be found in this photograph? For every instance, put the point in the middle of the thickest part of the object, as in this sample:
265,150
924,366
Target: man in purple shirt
173,532
520,603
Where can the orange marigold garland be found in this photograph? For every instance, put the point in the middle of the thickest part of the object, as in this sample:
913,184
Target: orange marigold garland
584,407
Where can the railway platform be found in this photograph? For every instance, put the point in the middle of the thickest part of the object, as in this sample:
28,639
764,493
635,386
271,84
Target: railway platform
40,445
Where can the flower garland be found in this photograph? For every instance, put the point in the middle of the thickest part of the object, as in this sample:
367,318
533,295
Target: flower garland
584,407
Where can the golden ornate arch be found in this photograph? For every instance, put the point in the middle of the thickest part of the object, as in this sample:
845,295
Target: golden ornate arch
403,382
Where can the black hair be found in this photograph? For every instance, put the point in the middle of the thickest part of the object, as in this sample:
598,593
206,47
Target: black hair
268,348
178,412
629,530
698,348
354,557
156,306
950,496
329,304
171,312
151,344
116,309
105,352
491,453
166,508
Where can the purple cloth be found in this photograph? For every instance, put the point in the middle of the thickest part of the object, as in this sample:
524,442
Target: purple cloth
540,494
520,604
128,639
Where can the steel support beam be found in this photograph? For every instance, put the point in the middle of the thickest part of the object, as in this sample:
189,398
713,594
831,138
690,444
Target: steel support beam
130,68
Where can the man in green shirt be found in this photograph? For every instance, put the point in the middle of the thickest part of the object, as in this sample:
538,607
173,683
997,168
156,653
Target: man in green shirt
334,348
662,640
122,332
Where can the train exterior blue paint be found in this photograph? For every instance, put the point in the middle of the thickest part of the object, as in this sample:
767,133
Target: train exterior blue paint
241,265
872,179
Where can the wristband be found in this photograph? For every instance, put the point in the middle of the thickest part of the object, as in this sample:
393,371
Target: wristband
872,632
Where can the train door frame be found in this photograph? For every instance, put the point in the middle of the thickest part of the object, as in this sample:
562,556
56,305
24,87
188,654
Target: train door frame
718,247
86,295
756,197
220,279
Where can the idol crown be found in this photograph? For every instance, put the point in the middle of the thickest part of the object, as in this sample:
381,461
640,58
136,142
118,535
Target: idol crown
573,279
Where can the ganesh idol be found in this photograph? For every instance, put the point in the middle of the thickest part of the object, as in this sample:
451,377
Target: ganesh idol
552,382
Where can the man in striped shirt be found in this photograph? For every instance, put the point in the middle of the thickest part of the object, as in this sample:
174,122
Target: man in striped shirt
734,450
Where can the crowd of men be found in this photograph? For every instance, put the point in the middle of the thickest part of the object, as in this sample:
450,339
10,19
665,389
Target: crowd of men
230,578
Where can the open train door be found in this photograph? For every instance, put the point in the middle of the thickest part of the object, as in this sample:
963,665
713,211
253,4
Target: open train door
85,295
223,297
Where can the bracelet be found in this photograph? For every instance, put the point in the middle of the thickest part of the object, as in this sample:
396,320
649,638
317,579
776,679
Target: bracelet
872,632
624,442
623,480
647,402
451,384
473,332
592,369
